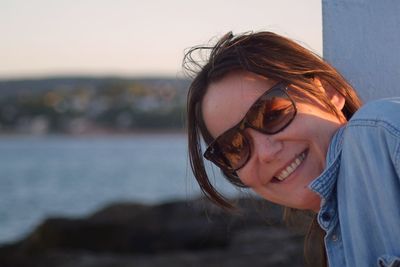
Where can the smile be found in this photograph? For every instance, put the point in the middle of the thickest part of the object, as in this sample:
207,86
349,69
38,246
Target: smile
291,167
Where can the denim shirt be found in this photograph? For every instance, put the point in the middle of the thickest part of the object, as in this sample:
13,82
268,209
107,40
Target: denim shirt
360,189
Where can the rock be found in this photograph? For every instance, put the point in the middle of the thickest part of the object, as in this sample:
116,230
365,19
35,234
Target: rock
182,233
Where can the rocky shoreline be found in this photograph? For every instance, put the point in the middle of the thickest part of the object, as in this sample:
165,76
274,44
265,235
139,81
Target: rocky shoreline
181,233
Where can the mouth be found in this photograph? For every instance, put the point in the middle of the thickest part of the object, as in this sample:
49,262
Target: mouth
290,168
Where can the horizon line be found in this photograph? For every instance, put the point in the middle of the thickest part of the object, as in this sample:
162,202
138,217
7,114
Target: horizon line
92,75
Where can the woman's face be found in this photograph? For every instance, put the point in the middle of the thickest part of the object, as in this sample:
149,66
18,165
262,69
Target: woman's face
296,155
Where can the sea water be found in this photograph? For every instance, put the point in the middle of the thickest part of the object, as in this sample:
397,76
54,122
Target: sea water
50,176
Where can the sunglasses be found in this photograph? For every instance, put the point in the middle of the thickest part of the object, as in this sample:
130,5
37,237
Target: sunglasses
271,113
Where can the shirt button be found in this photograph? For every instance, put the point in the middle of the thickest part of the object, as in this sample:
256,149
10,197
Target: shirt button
326,216
334,238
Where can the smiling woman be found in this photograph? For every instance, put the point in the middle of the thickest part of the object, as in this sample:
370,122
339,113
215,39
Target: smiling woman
280,120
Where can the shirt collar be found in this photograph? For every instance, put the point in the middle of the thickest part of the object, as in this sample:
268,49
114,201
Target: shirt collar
324,184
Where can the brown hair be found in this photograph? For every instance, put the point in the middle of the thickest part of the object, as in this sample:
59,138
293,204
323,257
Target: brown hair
263,53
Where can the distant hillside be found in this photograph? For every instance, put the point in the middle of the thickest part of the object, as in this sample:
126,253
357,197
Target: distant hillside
12,86
89,105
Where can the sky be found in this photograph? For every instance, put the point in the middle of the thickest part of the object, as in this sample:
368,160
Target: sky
135,38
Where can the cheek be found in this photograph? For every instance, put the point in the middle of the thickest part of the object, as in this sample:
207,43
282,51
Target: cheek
247,176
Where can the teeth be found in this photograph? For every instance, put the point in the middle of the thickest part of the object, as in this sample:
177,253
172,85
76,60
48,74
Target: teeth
291,168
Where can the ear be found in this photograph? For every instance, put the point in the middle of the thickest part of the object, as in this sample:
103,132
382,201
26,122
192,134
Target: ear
333,95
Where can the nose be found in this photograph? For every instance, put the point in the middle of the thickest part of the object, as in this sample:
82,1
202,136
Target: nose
264,147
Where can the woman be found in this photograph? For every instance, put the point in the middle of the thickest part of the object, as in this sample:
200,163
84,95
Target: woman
280,120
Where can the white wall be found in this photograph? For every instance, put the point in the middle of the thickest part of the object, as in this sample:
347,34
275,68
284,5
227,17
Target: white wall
361,38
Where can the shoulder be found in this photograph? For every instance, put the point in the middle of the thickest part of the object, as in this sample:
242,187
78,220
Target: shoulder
371,139
368,188
376,119
368,183
382,111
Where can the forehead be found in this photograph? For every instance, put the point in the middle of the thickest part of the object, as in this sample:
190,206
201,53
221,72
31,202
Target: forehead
227,100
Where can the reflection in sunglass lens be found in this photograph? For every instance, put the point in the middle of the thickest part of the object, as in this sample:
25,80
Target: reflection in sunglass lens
235,149
271,114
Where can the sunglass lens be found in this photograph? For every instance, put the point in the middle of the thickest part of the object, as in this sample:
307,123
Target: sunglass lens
272,113
234,149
